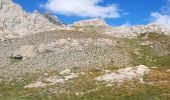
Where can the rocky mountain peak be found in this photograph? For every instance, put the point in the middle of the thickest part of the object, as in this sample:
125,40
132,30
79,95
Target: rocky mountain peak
5,1
91,22
36,12
14,18
53,19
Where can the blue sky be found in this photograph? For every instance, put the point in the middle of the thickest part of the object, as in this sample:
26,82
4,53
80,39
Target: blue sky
132,12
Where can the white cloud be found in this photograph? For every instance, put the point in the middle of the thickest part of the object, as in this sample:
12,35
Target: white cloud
163,17
82,8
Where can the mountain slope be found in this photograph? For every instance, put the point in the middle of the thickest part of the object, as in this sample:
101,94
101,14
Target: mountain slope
86,60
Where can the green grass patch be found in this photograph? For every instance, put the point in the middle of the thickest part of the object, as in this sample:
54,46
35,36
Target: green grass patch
149,55
89,89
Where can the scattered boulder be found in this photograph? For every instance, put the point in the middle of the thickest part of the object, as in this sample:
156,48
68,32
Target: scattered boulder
17,57
107,71
65,72
36,84
52,80
168,70
73,75
45,74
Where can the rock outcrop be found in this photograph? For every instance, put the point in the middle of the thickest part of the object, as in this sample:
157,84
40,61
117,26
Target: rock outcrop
52,19
125,74
13,17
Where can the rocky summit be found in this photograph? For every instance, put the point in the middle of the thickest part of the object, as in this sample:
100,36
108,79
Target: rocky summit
42,58
14,18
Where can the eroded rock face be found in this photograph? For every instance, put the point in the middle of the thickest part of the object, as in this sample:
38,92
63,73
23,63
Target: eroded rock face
13,17
52,19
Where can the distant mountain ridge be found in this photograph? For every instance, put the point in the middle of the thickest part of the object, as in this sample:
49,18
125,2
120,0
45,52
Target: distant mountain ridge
100,26
14,19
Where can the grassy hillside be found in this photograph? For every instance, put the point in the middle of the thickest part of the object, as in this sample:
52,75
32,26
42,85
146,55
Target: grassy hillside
150,49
